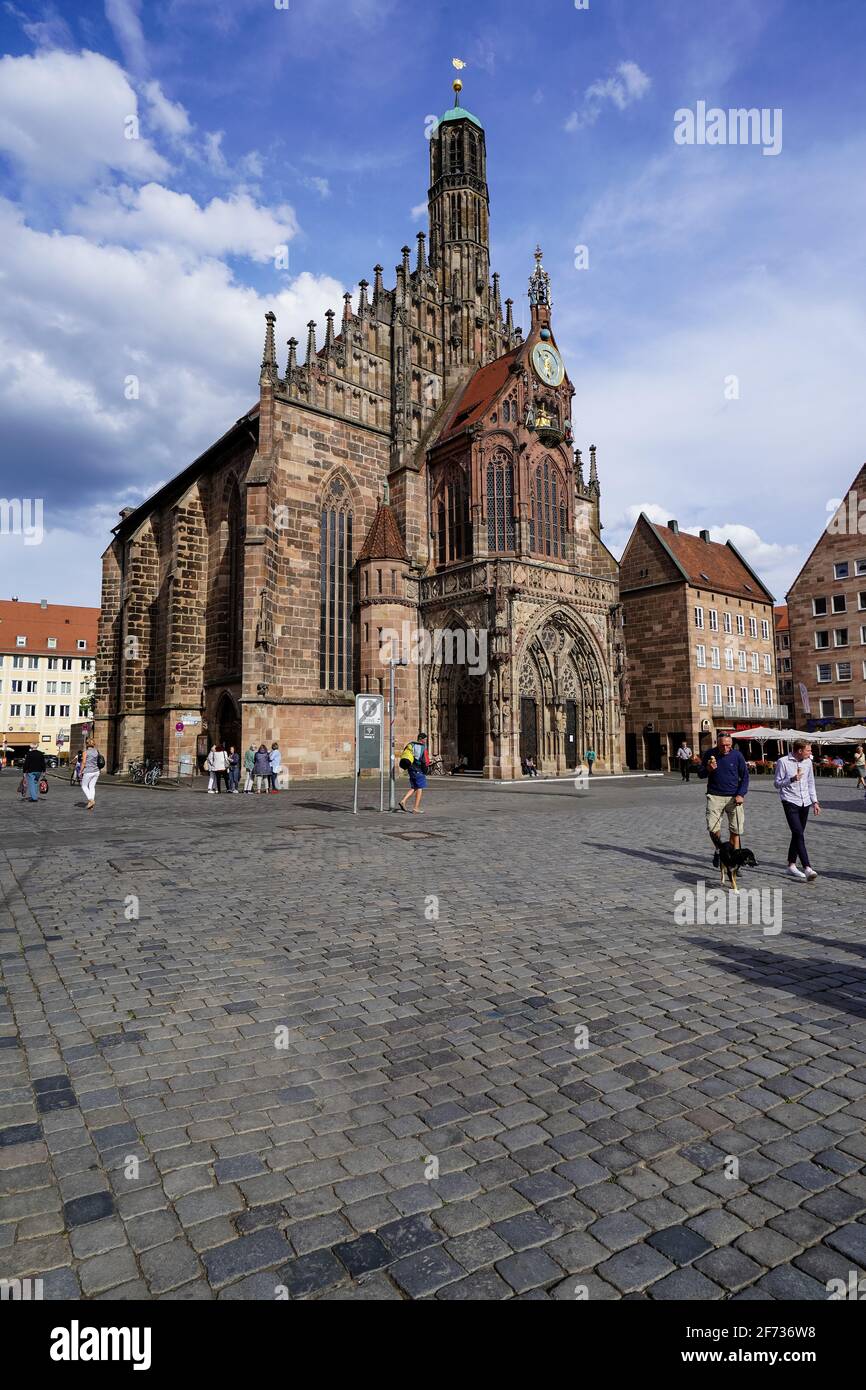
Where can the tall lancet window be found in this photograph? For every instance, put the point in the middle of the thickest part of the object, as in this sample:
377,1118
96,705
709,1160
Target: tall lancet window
236,579
336,590
500,503
548,523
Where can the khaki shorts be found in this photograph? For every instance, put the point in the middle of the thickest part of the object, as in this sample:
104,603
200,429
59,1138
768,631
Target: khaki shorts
718,806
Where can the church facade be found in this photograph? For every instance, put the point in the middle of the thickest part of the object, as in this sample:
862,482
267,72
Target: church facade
410,488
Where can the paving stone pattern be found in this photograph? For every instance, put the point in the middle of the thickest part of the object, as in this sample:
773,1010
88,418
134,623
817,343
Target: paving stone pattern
285,1078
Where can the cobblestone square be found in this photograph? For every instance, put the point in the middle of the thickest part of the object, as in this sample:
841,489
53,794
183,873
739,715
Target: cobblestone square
258,1048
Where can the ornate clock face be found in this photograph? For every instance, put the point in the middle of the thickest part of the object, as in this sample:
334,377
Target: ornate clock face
548,364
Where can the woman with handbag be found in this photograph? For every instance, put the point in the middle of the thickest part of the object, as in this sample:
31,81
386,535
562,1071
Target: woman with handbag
91,768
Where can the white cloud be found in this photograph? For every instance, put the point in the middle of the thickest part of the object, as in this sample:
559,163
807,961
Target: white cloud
168,116
157,216
125,20
418,211
50,30
319,185
627,85
64,119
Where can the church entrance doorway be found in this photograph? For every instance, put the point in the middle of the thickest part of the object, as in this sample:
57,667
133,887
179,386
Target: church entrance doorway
528,729
228,722
470,736
571,751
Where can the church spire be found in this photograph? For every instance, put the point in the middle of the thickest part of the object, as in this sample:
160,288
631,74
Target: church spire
539,292
269,357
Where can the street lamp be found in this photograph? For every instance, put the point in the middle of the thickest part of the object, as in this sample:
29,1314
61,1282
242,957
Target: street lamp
392,780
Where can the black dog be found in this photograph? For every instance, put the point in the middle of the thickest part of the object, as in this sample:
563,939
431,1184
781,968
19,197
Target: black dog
731,860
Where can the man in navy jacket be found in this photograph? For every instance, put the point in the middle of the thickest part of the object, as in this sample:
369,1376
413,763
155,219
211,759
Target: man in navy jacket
727,777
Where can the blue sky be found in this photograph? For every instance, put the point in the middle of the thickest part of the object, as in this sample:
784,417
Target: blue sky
153,257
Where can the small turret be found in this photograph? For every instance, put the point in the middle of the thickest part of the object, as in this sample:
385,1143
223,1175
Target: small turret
311,342
269,357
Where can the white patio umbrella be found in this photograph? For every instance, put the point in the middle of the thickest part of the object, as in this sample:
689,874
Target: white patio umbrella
855,733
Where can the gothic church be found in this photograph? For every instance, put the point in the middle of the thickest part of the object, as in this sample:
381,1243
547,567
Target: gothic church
416,468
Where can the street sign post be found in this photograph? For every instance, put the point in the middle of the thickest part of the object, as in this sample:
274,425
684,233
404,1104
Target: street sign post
369,742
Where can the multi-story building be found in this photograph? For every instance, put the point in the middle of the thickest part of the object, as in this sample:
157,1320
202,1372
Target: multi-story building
415,473
827,617
47,671
784,675
699,641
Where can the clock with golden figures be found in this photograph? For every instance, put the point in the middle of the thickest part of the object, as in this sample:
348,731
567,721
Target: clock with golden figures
547,364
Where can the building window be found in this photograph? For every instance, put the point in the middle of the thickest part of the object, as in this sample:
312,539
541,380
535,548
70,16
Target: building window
843,670
66,663
15,711
715,657
743,661
21,641
822,640
702,655
819,607
237,527
335,590
828,709
741,625
64,711
702,696
31,687
863,635
30,711
714,620
765,629
753,627
840,603
729,659
50,711
500,503
717,697
81,644
66,687
841,569
840,637
825,673
52,643
731,694
727,622
50,687
771,697
768,664
846,709
548,525
744,697
453,527
33,663
53,663
17,687
17,663
699,617
756,662
861,599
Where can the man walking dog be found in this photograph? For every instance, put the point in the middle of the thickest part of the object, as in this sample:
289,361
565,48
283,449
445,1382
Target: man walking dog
727,777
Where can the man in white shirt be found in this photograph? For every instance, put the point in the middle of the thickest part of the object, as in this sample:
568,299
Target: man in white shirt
684,754
795,782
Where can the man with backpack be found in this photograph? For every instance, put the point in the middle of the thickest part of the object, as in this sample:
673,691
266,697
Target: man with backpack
415,760
34,768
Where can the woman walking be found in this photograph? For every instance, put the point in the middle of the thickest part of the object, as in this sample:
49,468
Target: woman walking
91,768
860,767
795,782
262,770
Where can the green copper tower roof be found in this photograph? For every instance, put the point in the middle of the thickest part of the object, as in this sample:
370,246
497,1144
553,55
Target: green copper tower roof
459,113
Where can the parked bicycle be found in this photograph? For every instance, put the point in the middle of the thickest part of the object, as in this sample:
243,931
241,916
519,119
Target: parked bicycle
145,773
152,775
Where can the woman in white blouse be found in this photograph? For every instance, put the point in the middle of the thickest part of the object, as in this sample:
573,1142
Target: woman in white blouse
795,782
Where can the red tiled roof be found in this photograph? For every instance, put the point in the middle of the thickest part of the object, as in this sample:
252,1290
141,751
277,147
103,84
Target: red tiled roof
384,541
37,624
478,393
781,616
711,565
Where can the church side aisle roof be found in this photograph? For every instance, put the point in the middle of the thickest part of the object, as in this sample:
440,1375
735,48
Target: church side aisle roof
478,393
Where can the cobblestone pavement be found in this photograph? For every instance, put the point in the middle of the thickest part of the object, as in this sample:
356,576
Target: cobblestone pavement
433,1126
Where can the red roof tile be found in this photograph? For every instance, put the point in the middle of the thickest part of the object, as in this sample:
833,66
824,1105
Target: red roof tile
478,393
37,624
711,565
781,616
384,541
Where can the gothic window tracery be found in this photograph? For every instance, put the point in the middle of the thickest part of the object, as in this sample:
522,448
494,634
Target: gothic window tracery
235,577
453,523
500,503
336,588
548,522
